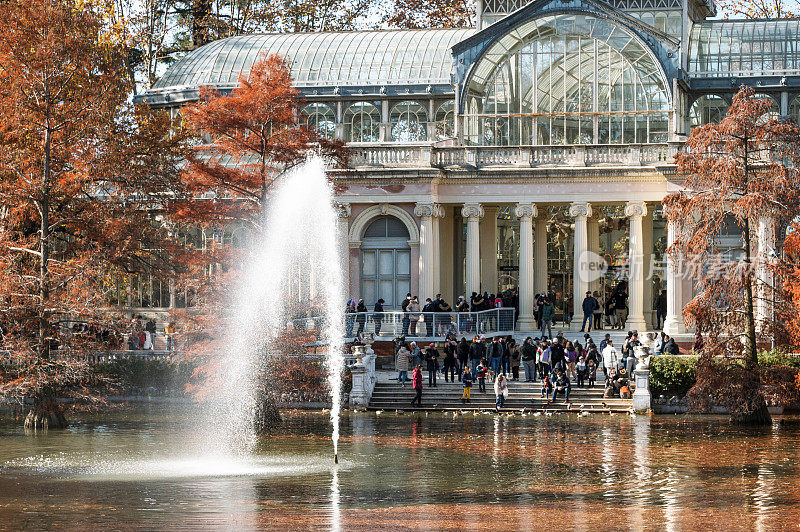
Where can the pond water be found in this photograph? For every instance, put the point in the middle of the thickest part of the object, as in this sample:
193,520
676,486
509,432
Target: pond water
141,469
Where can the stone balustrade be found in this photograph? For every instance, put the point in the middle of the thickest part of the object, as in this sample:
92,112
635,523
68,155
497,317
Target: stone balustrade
476,157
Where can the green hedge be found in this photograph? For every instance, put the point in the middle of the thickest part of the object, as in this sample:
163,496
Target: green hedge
676,375
671,374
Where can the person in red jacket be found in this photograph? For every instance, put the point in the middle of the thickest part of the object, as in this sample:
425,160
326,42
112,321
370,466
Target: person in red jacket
416,384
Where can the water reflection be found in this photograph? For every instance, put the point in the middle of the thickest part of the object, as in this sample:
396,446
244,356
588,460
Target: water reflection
336,524
412,471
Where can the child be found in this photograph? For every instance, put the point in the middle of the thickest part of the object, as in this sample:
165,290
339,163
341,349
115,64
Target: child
580,372
481,371
466,380
591,372
547,386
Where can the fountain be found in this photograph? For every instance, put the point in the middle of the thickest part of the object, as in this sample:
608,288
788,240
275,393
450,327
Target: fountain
296,259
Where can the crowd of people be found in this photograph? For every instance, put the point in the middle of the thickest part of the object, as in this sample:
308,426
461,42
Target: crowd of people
420,318
558,363
143,334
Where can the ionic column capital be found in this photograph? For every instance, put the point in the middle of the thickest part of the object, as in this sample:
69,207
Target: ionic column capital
472,210
580,208
429,210
526,210
342,209
635,208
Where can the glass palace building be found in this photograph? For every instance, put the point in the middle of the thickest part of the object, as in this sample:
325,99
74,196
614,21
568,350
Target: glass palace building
496,157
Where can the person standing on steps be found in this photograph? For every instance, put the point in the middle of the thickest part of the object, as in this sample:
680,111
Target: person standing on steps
548,312
500,391
402,363
450,361
515,357
528,355
416,384
598,312
432,360
476,353
466,379
610,358
661,309
462,352
589,305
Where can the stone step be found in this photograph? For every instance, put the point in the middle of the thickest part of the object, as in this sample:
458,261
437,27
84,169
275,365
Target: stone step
472,407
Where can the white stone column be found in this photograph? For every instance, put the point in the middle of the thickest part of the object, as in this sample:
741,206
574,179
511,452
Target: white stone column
540,254
635,211
428,250
472,213
526,212
593,238
647,269
488,249
674,322
764,291
342,230
580,211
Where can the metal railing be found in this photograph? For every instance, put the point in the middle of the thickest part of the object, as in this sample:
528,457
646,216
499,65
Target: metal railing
430,325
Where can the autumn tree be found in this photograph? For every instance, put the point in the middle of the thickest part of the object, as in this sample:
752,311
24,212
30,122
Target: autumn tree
761,9
247,140
421,14
251,138
741,172
80,174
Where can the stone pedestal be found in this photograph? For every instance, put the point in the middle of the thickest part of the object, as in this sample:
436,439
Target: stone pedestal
363,375
641,396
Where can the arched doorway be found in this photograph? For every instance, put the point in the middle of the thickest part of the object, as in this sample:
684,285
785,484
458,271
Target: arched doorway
385,262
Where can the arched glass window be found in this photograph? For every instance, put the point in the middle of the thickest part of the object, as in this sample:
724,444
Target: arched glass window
386,227
794,110
567,79
446,121
708,109
321,118
362,122
409,121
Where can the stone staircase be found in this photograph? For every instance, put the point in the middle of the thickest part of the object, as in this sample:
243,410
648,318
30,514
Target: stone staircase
522,395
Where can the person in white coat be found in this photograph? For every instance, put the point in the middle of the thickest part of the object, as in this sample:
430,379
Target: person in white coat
500,391
610,358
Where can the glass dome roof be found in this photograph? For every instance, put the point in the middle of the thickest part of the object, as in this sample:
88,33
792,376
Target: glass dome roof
399,57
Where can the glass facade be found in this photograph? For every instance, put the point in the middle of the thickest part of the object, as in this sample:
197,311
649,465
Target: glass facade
567,79
362,121
708,109
322,118
446,121
409,122
745,48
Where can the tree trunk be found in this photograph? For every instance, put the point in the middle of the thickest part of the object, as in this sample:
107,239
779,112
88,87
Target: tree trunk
44,251
45,414
758,417
267,414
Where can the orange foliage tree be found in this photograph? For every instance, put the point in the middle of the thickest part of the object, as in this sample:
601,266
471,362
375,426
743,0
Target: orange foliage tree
80,172
248,140
743,169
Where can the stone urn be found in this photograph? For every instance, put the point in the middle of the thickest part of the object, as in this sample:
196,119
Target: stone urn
359,353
